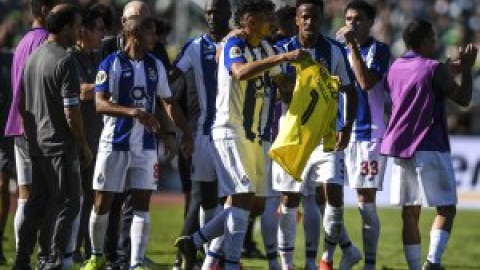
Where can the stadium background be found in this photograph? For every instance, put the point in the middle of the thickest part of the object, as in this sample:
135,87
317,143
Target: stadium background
456,22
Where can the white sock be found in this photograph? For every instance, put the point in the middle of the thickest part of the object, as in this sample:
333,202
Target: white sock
413,255
235,229
311,227
286,235
97,228
438,242
18,218
332,224
214,254
371,231
205,217
73,235
269,225
139,232
213,229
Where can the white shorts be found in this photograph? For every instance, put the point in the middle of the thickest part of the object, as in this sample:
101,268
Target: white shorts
365,166
269,191
321,167
425,179
119,171
242,165
203,165
23,165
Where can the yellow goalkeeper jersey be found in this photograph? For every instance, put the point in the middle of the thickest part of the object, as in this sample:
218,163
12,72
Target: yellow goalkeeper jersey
310,117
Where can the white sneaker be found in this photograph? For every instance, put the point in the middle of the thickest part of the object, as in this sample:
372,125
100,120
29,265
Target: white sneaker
349,258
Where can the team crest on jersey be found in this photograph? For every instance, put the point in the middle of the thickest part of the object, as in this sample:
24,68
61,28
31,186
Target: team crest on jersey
152,74
235,52
245,180
101,77
101,179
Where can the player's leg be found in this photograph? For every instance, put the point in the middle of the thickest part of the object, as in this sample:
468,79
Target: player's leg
311,227
287,230
140,228
32,216
7,171
109,179
83,238
405,191
436,176
370,225
411,236
269,226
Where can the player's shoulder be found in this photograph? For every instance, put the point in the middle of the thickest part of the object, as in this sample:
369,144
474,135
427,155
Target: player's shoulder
110,59
236,41
381,47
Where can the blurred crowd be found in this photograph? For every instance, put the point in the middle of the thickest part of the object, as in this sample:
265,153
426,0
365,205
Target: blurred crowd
456,21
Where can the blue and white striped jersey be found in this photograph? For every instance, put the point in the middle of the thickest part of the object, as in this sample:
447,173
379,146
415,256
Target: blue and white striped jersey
130,83
199,55
370,122
240,103
331,54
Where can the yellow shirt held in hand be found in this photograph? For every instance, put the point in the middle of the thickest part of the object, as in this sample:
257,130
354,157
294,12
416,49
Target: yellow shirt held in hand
310,118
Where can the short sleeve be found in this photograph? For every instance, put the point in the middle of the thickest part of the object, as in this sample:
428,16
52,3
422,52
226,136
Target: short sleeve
163,88
102,79
381,60
234,52
183,61
70,84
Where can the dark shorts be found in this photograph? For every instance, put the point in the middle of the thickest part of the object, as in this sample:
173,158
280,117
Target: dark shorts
7,158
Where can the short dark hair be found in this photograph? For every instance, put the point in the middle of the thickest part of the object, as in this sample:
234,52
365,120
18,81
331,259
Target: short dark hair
36,6
285,13
245,6
57,20
89,18
318,3
416,32
107,15
368,9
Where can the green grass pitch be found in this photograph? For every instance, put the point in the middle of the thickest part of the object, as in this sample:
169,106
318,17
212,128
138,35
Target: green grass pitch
462,253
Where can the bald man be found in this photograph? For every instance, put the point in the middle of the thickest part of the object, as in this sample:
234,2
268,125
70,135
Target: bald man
118,249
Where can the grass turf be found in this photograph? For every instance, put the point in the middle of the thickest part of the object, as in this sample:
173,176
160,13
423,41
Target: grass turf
462,252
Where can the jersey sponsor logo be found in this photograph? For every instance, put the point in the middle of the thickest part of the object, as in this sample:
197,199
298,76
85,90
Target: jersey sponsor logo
139,96
101,77
235,52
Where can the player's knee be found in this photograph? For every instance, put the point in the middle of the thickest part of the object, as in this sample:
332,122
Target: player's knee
366,195
448,212
334,195
411,215
24,191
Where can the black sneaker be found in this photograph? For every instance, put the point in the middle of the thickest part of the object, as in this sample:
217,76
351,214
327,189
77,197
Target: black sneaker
187,248
432,266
